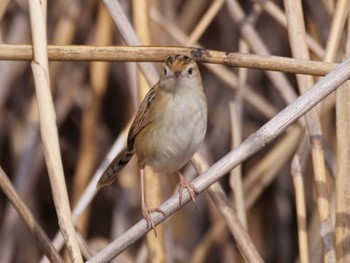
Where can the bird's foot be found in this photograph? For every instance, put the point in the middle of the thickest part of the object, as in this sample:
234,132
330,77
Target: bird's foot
146,213
192,191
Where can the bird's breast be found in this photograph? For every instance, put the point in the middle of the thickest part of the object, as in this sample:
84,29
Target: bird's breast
170,142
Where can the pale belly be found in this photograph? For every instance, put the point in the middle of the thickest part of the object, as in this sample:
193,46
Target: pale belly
169,147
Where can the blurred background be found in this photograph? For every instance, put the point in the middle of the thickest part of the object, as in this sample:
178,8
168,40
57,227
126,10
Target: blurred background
94,101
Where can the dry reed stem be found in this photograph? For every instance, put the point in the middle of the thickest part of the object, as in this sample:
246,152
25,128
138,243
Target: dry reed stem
236,174
64,34
130,37
191,12
329,4
90,190
263,173
342,179
342,184
236,112
26,175
229,78
339,18
249,252
212,236
159,54
323,203
247,249
275,11
89,144
28,218
315,243
48,127
222,203
251,145
333,42
65,25
9,72
256,44
23,180
86,250
297,169
205,21
334,38
297,37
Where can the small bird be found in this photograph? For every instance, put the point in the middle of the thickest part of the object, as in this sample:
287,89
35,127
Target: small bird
168,128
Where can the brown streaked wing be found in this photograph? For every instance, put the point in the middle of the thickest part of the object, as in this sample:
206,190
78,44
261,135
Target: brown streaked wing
143,116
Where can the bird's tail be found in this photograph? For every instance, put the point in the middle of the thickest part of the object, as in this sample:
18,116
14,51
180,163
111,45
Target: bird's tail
118,163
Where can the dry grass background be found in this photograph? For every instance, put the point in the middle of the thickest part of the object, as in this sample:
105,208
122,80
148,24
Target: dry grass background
287,199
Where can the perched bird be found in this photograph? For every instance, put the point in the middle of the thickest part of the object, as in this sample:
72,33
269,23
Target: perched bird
168,128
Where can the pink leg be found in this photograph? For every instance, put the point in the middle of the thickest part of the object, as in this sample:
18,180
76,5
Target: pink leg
192,191
146,213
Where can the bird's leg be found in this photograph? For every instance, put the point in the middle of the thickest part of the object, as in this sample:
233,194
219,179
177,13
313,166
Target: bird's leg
146,212
192,191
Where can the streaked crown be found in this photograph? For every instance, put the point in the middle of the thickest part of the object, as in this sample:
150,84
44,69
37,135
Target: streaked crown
178,62
180,66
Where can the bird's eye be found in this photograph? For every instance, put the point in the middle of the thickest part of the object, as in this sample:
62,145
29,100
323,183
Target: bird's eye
190,71
165,71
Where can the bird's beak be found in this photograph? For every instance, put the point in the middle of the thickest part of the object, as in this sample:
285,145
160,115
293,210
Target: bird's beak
177,74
